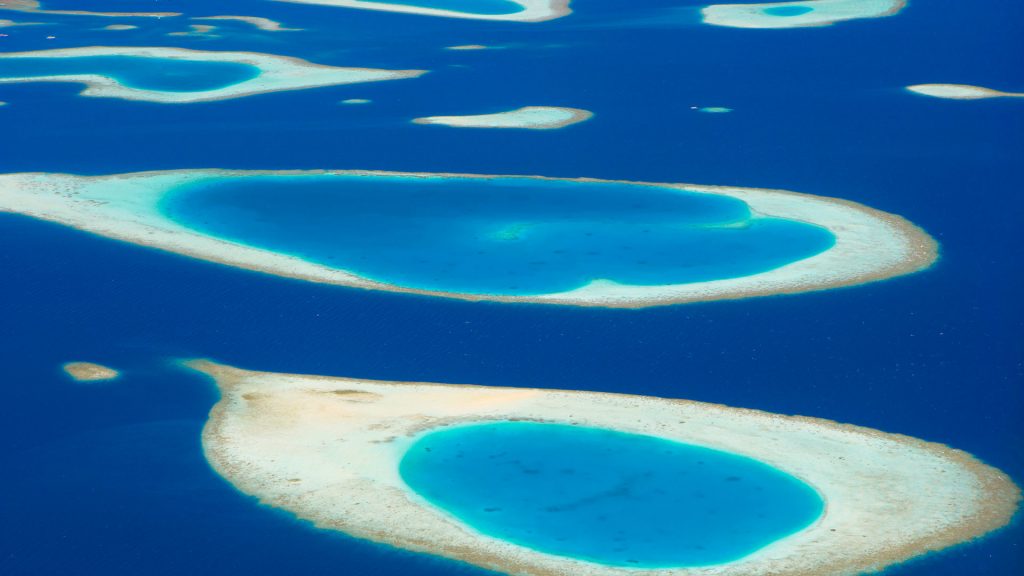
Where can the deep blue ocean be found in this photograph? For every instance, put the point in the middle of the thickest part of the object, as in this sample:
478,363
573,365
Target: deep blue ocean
109,478
594,494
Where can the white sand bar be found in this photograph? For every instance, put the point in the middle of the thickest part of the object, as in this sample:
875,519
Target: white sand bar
328,449
869,244
527,117
89,372
961,91
804,14
276,73
35,7
531,10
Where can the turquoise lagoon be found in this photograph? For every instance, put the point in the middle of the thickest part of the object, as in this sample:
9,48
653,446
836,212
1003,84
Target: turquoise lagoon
788,10
489,7
605,496
498,236
144,73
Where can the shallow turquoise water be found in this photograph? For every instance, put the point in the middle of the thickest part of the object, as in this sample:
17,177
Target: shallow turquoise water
496,236
605,496
137,72
469,6
788,10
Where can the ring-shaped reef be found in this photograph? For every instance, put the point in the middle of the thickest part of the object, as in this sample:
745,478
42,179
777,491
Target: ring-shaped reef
503,10
780,495
500,238
179,75
807,13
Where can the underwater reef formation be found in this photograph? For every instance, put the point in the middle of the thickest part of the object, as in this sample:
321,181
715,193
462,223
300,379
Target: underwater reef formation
329,450
864,244
804,14
273,73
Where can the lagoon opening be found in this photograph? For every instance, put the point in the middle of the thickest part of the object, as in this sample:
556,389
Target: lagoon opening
605,496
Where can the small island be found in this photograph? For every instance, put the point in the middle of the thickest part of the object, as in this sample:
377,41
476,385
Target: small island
500,10
527,118
89,372
961,92
343,454
533,239
809,13
238,74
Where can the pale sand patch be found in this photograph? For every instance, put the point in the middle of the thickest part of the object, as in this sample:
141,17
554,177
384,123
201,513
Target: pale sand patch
35,7
119,27
870,244
327,449
353,101
823,13
89,372
265,24
527,117
961,91
277,73
532,10
11,23
466,47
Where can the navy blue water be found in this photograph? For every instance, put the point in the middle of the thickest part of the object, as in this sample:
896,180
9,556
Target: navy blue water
593,494
496,236
110,479
165,74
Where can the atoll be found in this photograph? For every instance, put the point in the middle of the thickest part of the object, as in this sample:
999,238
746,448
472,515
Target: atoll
804,14
327,450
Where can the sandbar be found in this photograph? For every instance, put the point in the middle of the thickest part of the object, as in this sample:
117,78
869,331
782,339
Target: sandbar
265,24
809,13
35,7
532,10
197,30
870,245
961,91
277,73
11,23
327,450
356,101
466,47
89,372
527,117
119,27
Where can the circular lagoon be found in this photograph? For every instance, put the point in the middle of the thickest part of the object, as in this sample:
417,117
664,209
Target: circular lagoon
501,236
605,496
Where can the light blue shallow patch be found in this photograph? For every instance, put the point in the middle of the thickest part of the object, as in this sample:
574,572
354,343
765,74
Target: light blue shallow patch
788,10
506,236
608,497
488,7
165,74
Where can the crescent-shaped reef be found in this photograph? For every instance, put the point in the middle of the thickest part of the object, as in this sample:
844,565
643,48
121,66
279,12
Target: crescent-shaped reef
809,13
203,76
582,242
344,454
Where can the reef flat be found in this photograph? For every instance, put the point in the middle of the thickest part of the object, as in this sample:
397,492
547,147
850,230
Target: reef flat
275,73
265,24
798,14
961,91
868,244
89,372
527,117
35,7
328,450
529,10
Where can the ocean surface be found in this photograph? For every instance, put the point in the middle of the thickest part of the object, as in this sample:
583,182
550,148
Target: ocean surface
605,496
110,479
136,72
495,236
